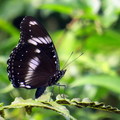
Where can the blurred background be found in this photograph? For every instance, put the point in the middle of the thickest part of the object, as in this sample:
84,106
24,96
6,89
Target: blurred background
88,26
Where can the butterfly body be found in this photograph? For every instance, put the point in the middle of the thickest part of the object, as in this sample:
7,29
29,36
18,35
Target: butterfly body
34,62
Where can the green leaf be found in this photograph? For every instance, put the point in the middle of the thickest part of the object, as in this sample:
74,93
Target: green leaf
9,28
58,8
106,42
7,8
110,82
29,103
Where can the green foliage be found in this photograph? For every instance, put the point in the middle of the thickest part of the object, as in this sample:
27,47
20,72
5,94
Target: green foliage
88,26
56,105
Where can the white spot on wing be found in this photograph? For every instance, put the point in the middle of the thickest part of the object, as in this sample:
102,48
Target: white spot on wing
42,40
27,79
37,51
33,63
32,42
36,58
28,86
22,84
54,56
37,40
30,69
33,23
48,39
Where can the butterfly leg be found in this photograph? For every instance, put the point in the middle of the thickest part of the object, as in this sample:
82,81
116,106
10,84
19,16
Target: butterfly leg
64,86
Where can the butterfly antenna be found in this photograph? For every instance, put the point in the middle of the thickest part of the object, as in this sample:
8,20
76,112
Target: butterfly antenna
67,60
71,61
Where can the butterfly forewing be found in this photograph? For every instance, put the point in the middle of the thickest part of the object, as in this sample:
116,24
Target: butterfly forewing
34,59
34,33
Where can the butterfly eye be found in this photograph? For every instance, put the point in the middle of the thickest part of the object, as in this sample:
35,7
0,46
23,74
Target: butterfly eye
34,63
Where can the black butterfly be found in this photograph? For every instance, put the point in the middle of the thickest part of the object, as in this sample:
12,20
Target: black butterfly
34,62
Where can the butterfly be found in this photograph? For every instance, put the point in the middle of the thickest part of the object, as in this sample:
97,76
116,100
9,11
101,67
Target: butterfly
34,63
